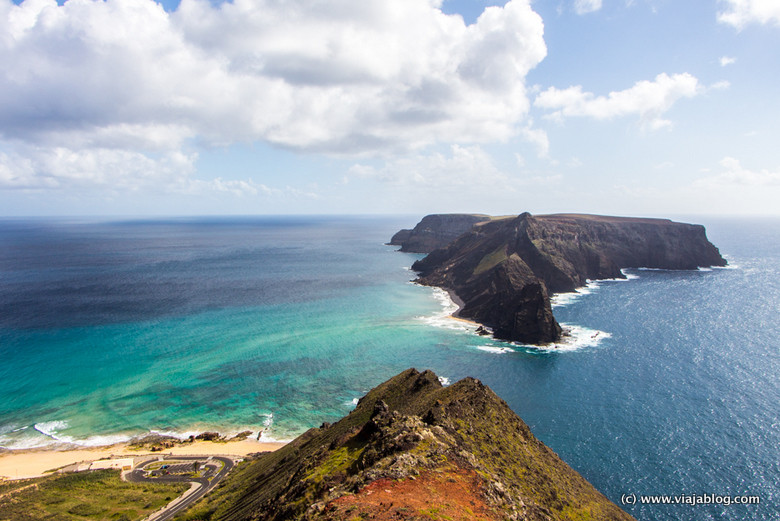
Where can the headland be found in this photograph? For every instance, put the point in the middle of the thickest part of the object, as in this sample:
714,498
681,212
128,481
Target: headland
505,269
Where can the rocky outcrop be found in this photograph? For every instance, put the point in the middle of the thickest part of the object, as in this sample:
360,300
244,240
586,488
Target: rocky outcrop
504,270
435,231
412,449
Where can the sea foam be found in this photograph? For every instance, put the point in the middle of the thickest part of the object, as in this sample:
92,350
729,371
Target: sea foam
564,299
444,318
494,349
49,434
574,338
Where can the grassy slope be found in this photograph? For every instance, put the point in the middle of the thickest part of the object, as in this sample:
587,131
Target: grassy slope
98,495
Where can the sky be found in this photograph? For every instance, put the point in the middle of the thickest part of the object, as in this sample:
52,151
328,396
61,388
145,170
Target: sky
198,107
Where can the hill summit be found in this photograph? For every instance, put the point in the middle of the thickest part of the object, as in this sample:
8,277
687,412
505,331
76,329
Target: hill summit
413,449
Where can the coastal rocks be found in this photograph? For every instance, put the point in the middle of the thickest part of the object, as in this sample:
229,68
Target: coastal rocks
155,442
504,269
209,436
435,231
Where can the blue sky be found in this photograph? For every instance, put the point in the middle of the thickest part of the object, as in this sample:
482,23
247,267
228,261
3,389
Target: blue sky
630,107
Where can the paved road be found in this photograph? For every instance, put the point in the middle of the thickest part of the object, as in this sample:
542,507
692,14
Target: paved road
191,496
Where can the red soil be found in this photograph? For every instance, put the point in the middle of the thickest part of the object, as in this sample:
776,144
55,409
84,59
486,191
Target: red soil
446,495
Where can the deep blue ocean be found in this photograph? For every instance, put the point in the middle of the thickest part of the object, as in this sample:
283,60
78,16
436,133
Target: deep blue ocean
113,329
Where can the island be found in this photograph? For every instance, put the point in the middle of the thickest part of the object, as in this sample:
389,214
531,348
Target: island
503,270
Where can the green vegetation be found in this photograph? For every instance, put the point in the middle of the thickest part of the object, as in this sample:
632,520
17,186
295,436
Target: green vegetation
338,461
491,260
98,495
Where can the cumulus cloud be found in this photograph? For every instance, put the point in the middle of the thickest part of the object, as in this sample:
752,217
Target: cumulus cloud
647,99
727,60
34,167
538,138
586,6
462,166
351,77
740,13
734,174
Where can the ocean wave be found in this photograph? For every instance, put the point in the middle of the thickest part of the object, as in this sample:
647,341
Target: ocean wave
52,430
574,338
629,276
48,434
28,441
444,380
498,350
444,318
564,299
11,428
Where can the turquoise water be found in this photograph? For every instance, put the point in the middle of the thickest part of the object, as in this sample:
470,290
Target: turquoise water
113,329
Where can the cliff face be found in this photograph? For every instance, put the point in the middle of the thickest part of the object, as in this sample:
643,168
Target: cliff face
435,231
505,269
412,449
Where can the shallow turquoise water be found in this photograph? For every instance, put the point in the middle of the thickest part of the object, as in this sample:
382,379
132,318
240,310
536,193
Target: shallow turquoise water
113,329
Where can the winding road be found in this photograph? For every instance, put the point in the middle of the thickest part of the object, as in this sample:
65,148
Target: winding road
212,475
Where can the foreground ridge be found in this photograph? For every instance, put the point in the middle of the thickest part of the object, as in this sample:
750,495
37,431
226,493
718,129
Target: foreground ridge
413,449
505,269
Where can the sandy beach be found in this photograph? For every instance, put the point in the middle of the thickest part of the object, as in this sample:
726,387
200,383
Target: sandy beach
34,463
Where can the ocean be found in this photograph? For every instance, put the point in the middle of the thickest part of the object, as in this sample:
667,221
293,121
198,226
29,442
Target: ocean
112,329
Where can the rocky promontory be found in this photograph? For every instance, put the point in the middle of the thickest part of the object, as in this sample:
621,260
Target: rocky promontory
505,269
410,450
436,231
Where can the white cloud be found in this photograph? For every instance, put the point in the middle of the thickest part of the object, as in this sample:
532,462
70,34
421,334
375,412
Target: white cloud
36,167
353,77
646,99
734,174
727,60
586,6
467,166
538,138
739,13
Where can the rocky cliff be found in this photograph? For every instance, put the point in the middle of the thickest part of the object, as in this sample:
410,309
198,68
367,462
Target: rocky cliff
412,449
504,270
435,231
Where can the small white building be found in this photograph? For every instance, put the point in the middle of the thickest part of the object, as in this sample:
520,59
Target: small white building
122,464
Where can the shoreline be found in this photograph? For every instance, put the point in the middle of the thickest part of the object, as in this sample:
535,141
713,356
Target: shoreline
33,463
455,315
